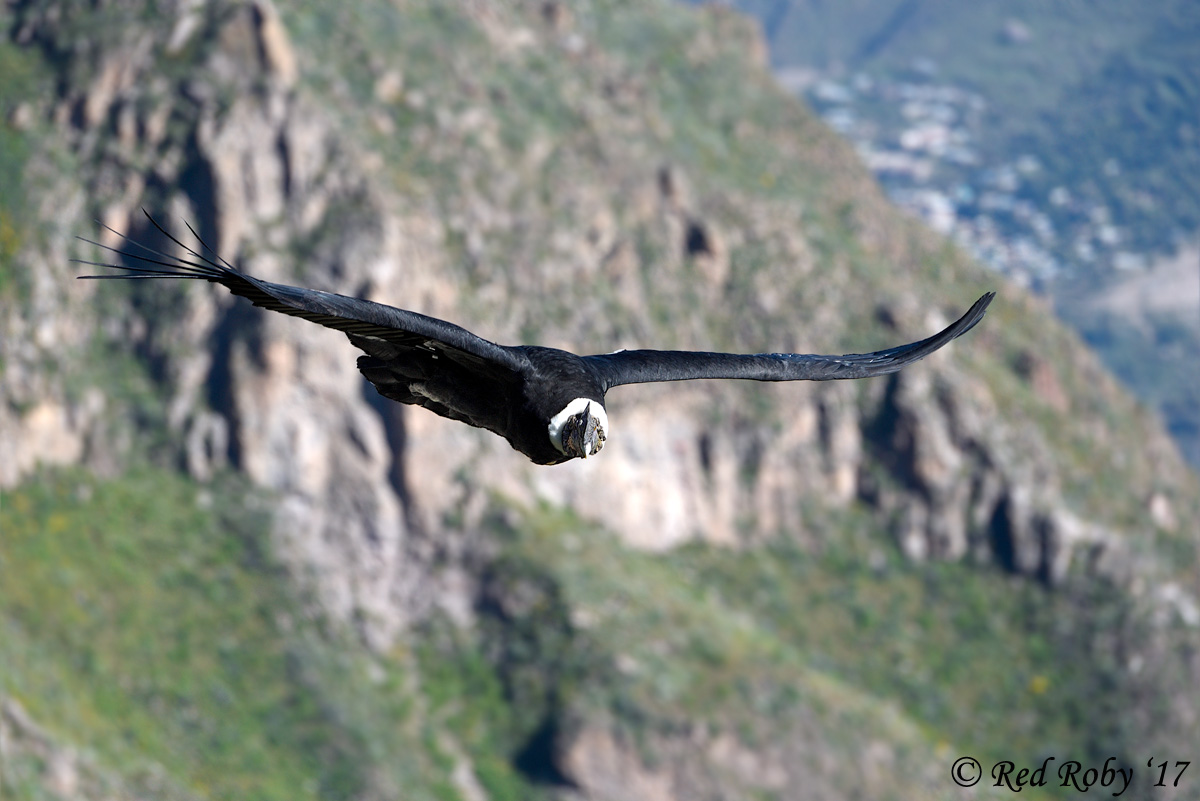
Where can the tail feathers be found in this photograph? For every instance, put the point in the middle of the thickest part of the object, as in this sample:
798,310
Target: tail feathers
146,262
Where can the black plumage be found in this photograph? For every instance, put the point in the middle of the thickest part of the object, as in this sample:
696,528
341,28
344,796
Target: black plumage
548,403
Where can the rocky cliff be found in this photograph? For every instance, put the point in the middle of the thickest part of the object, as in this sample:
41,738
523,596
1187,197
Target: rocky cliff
589,176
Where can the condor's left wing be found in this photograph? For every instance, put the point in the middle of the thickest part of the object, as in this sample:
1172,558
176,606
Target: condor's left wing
646,366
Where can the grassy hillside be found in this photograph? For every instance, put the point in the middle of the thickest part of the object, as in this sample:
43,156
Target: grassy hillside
147,627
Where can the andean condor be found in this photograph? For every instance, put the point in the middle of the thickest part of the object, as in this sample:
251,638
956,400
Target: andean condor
548,403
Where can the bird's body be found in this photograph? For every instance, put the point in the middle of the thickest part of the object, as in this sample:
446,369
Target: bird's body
548,403
518,405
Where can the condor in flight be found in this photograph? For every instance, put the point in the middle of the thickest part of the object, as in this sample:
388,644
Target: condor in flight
548,403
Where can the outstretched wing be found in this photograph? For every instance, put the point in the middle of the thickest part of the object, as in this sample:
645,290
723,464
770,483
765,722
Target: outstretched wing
645,366
364,321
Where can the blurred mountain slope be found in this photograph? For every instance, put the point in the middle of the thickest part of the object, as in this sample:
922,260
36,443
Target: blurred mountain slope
1073,144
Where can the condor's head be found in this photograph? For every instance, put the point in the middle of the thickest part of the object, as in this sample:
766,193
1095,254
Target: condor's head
579,430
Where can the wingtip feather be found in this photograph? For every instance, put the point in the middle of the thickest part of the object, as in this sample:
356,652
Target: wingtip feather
976,312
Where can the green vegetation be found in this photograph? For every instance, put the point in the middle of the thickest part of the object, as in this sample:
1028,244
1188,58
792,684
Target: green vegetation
754,639
148,622
149,627
715,117
145,620
152,626
22,81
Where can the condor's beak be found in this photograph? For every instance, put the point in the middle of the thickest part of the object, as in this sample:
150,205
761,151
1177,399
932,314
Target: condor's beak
583,435
593,436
